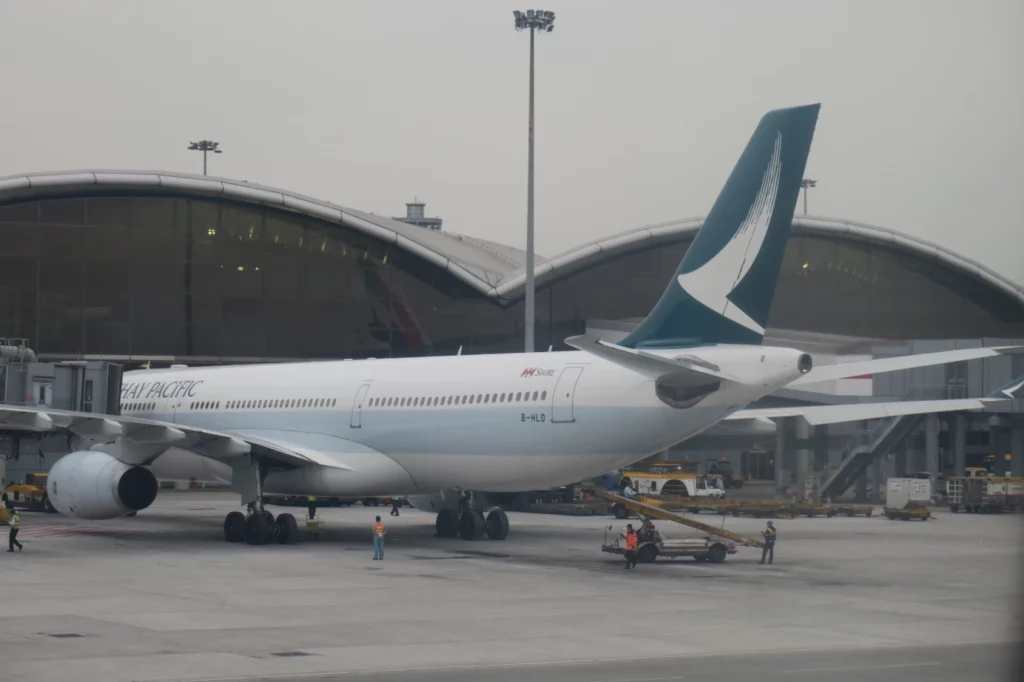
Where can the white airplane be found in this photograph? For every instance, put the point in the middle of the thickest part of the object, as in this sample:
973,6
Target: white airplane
435,429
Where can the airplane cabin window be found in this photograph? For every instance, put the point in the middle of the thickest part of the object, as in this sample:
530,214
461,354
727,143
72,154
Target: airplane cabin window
333,401
518,396
544,395
501,398
534,395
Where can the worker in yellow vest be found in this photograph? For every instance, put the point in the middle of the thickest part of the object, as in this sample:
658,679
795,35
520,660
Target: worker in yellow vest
15,523
311,503
378,540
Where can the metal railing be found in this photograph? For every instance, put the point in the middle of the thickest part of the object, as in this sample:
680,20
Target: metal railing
936,392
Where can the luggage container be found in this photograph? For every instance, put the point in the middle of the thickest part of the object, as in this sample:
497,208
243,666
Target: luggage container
908,498
984,494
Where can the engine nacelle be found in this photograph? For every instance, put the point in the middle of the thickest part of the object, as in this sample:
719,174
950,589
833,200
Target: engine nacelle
93,485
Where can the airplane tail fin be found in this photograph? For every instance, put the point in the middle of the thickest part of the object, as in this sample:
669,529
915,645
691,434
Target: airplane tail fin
1011,391
723,289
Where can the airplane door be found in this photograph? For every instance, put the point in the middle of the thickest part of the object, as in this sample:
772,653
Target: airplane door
562,397
171,411
357,407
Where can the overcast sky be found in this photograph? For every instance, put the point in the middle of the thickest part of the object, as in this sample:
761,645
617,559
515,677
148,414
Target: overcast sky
642,107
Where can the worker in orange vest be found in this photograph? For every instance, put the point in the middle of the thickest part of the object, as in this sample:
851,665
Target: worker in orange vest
631,546
378,540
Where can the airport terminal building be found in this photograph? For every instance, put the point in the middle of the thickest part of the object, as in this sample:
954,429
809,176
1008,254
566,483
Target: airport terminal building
135,267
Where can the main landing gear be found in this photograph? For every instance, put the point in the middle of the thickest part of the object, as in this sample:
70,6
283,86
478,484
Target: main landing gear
469,523
258,526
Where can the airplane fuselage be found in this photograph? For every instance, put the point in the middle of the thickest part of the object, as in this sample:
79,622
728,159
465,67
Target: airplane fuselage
489,422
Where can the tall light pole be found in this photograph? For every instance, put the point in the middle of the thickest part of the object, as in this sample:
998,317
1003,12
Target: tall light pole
807,184
205,146
532,20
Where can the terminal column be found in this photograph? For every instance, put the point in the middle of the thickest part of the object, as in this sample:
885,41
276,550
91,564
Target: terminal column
959,444
1000,438
802,434
780,454
1017,449
931,444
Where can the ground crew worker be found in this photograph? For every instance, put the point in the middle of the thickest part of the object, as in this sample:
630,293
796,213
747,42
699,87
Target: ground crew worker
15,522
395,504
769,534
311,501
631,546
378,540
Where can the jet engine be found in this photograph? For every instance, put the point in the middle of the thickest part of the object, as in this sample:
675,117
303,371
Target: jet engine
93,485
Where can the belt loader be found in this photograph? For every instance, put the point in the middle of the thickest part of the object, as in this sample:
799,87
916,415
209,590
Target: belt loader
707,548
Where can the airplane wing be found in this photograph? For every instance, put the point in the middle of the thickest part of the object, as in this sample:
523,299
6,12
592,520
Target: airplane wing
861,368
140,441
834,414
647,364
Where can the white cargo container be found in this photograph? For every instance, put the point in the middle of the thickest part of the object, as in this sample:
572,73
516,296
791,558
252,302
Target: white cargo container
984,493
900,492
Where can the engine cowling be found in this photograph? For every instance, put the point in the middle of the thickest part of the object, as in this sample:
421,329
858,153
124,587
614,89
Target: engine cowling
93,485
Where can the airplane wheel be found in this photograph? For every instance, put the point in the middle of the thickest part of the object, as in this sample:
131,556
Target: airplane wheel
234,527
287,529
497,525
620,512
716,554
447,524
471,525
257,529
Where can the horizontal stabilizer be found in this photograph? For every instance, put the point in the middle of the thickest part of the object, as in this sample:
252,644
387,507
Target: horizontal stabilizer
865,367
647,364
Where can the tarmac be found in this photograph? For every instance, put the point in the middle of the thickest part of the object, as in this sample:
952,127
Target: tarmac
162,597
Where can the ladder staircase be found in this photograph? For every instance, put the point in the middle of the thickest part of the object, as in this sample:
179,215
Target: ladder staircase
879,442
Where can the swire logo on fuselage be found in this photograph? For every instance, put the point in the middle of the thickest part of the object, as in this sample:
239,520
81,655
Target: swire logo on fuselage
537,372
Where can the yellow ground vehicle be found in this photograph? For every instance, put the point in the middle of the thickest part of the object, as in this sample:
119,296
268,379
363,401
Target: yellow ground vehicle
673,479
723,467
31,494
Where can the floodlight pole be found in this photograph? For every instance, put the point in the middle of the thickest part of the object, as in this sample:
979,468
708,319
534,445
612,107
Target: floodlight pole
205,146
530,299
533,20
806,184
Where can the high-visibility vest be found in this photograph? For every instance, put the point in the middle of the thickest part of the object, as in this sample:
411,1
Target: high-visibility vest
378,529
15,521
630,541
310,498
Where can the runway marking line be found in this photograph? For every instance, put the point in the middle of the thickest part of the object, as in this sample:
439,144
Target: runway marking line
863,667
